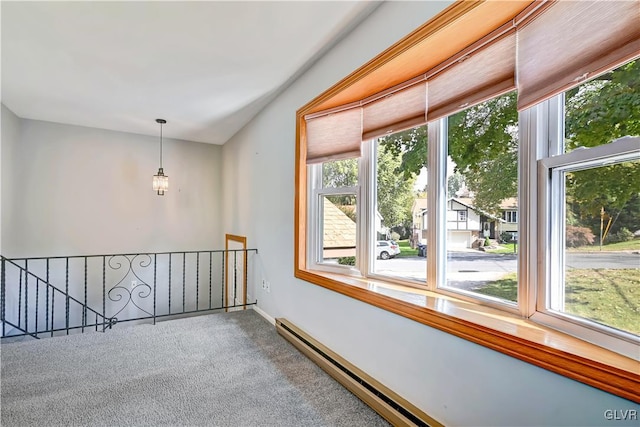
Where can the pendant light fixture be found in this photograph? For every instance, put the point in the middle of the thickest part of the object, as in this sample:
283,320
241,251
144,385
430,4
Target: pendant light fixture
160,181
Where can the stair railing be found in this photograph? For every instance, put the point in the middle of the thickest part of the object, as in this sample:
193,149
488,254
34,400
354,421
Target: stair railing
26,320
67,294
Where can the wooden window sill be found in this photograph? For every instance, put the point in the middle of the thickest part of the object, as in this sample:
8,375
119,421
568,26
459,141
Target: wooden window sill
495,329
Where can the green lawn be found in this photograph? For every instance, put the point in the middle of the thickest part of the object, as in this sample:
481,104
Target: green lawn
505,288
405,249
506,248
611,297
620,246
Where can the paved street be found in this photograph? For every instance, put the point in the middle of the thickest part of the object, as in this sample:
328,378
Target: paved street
469,268
616,260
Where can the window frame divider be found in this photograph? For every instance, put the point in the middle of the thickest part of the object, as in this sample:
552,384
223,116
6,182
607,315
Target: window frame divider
368,189
436,203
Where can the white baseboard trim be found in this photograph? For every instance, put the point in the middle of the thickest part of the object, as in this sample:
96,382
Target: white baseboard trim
264,314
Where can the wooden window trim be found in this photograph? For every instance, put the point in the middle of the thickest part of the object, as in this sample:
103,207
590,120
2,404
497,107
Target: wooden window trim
510,335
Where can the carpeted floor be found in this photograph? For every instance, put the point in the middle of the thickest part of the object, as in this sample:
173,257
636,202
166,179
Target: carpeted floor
228,369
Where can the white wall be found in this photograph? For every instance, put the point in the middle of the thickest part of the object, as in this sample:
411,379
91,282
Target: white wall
69,190
455,381
9,138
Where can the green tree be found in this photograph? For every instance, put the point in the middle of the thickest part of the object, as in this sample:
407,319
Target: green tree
338,174
598,112
395,190
410,147
454,183
614,189
605,108
483,142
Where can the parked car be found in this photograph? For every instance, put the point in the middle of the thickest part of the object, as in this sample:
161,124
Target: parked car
386,249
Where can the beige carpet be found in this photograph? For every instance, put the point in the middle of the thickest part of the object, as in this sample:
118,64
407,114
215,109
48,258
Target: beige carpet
228,369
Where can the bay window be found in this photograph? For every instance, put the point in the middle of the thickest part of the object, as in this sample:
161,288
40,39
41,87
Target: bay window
514,201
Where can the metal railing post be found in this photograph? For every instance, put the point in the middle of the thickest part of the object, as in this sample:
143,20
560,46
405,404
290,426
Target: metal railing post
26,296
197,281
155,267
104,297
66,293
84,309
224,284
3,284
184,283
170,282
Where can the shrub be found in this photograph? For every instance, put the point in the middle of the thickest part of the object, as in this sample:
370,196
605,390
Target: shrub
487,241
507,237
395,236
623,235
403,232
347,260
579,236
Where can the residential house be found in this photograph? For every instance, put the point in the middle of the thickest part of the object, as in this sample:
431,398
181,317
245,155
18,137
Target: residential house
509,217
70,186
465,223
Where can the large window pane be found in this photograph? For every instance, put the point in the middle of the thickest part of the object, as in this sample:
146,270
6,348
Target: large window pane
338,209
482,203
604,109
601,274
400,207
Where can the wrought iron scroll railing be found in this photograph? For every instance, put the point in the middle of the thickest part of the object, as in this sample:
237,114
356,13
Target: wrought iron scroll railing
50,296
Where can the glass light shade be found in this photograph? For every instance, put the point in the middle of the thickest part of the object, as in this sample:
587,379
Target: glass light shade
160,182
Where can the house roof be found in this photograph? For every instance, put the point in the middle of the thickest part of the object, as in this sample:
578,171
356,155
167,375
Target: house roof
465,201
509,204
339,230
419,204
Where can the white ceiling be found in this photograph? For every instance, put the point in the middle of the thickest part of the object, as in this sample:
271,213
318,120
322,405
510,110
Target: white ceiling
205,67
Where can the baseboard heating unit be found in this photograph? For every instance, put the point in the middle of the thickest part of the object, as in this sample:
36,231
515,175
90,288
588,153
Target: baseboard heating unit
385,402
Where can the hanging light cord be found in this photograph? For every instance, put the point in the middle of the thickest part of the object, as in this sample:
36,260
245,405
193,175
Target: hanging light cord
160,145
